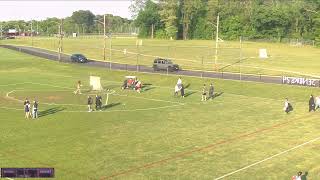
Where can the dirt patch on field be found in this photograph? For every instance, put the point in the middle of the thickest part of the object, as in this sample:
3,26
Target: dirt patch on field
53,98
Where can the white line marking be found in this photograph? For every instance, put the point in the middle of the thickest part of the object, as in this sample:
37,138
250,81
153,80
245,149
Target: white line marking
151,99
266,159
9,108
13,84
107,111
112,92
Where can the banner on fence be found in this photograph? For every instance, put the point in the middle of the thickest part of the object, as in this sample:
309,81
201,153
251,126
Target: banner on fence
300,81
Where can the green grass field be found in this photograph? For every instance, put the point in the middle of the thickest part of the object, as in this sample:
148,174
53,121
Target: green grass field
194,54
153,135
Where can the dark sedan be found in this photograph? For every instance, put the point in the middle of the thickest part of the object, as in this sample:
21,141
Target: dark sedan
79,58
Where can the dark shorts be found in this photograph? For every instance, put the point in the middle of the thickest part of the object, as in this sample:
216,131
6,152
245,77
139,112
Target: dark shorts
204,94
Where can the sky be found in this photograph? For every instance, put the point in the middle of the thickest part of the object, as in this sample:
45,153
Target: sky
41,9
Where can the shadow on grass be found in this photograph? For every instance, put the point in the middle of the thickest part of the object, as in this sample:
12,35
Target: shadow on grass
187,86
50,111
146,88
110,106
113,86
189,93
217,95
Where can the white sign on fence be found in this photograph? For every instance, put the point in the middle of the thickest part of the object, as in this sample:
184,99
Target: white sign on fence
263,53
300,81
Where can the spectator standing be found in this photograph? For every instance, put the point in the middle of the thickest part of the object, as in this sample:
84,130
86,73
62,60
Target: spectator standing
27,108
211,91
204,93
35,109
179,82
297,177
317,102
176,90
311,103
98,103
90,101
182,90
287,106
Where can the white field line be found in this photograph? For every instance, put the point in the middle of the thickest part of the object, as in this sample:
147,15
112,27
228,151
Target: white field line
193,90
163,87
63,87
159,100
127,110
12,98
108,111
266,159
14,84
111,93
9,108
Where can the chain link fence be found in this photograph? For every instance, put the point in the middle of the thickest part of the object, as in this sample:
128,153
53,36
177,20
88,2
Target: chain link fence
239,58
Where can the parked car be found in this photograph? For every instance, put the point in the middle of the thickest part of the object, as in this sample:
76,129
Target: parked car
164,64
79,58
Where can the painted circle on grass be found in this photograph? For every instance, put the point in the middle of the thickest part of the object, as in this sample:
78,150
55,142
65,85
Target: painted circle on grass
58,98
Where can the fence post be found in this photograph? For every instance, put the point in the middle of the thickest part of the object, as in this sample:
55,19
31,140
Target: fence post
202,67
260,76
137,57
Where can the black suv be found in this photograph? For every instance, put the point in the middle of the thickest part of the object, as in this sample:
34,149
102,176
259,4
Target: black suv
79,58
164,64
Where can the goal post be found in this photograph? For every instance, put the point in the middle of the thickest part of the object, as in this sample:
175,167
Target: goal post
95,83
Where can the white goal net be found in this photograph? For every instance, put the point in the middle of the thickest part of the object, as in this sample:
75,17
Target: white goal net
95,83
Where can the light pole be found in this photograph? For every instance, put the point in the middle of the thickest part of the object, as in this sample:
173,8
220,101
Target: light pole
110,50
217,39
60,36
1,29
31,34
104,35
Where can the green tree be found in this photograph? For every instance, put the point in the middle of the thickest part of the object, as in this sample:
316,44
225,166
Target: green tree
85,19
169,17
148,18
188,10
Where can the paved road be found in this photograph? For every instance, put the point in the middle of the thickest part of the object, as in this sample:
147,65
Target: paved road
141,68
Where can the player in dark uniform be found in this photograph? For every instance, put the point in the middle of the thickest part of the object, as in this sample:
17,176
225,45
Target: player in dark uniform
312,104
204,93
211,91
27,108
98,103
90,101
182,90
35,109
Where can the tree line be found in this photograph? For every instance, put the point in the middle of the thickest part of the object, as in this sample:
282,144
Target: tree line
254,19
81,22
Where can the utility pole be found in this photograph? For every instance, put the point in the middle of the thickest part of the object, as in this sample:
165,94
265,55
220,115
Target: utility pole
31,34
152,29
240,59
1,29
104,37
217,39
110,51
37,27
60,40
